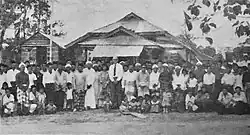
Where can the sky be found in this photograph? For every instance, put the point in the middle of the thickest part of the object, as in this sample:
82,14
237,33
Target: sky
82,16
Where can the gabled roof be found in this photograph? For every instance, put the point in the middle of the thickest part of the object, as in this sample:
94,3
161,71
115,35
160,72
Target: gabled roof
132,22
47,37
122,37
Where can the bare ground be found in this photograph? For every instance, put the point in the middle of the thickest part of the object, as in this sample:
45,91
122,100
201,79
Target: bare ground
99,123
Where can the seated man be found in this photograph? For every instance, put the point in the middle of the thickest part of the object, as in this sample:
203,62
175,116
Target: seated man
8,103
224,102
33,99
203,100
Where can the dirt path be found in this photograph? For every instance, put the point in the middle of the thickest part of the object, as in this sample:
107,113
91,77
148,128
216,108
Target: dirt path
98,123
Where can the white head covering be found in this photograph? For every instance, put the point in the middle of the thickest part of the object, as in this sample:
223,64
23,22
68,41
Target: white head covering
122,62
154,66
137,64
88,62
67,65
165,65
177,67
198,63
245,54
95,65
133,97
21,64
115,58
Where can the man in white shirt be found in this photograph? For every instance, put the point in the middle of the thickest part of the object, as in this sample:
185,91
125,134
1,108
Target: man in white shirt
60,77
154,79
209,80
49,83
129,82
228,80
32,76
115,76
8,103
11,78
80,78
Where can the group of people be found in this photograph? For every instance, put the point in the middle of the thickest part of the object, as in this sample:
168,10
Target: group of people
144,88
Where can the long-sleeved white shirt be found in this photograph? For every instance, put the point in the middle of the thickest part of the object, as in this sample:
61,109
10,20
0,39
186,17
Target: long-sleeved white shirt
60,79
128,77
49,77
11,76
118,74
209,79
240,97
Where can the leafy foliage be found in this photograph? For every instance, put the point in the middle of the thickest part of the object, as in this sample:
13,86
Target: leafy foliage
232,9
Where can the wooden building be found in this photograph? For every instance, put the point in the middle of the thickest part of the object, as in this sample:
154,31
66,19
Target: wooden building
36,49
137,27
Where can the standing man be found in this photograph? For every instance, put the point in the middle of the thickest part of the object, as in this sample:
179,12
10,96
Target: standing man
11,78
22,82
218,72
129,82
166,79
154,79
143,82
246,83
228,80
209,81
49,83
115,76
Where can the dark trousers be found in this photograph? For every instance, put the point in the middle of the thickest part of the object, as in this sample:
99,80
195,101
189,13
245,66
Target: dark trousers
59,100
116,94
13,89
50,92
217,90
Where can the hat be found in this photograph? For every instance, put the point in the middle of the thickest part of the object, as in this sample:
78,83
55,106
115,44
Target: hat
137,64
122,62
115,58
21,64
245,54
154,66
95,65
177,67
143,66
67,65
198,63
88,62
165,65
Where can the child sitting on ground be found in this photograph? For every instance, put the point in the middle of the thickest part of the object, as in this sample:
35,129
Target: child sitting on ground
107,104
190,102
166,101
139,104
146,104
41,101
155,105
124,105
69,96
133,105
50,108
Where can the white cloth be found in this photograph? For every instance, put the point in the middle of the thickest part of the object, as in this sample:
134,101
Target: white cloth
9,108
90,94
243,63
189,101
49,77
209,79
69,94
192,82
7,99
11,76
181,79
32,78
240,97
70,78
129,83
154,79
228,79
119,72
238,81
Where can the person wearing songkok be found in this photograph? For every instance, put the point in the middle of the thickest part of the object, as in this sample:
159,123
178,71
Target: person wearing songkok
130,83
246,83
32,76
154,79
165,79
228,80
49,83
8,103
143,82
209,80
33,99
90,99
192,83
199,73
178,79
22,81
11,78
115,76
